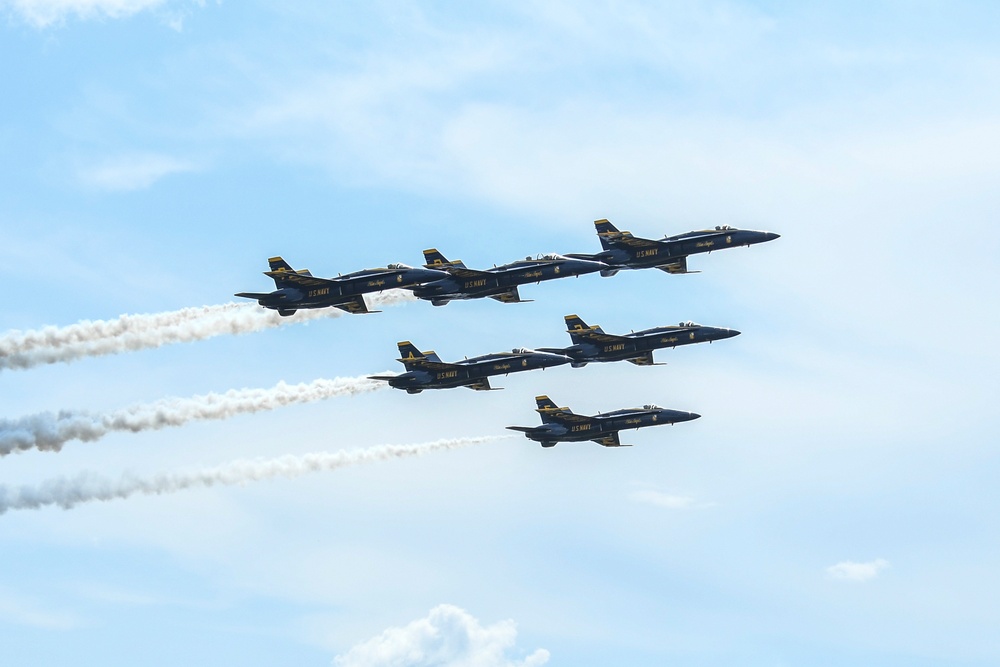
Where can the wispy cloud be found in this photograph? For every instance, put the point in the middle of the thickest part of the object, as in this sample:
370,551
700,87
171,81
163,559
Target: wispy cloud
660,499
850,571
22,612
134,171
43,13
448,637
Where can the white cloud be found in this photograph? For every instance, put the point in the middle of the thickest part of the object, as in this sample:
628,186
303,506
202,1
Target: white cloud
661,499
43,13
851,571
134,171
447,637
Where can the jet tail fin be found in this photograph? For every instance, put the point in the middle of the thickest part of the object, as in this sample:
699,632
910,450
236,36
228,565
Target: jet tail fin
548,410
608,233
433,259
279,266
409,353
545,403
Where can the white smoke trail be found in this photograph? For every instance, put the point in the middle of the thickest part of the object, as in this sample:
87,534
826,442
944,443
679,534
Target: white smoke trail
88,487
48,431
49,345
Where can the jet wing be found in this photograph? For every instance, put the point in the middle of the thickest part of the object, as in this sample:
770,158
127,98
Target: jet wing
427,364
623,238
356,306
470,274
510,296
566,417
644,360
676,267
610,440
599,336
483,385
301,279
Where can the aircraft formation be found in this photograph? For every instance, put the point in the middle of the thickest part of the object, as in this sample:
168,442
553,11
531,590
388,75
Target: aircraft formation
441,281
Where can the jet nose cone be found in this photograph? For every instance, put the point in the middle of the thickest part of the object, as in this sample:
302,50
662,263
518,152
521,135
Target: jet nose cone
729,333
770,236
693,415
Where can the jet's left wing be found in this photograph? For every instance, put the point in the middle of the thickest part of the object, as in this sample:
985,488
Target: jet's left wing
303,279
510,296
467,273
600,336
483,385
610,440
678,266
645,360
356,306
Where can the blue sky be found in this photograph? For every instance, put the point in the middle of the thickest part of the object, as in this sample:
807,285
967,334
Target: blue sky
834,505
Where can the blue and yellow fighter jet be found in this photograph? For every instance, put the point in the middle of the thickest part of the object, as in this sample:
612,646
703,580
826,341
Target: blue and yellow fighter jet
624,251
563,425
590,343
299,290
500,282
424,370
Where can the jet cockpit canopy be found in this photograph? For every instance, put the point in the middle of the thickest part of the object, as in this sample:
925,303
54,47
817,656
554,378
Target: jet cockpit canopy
520,350
651,406
723,228
399,266
689,323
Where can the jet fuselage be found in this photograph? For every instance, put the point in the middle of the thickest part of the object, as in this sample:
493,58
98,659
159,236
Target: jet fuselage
501,282
424,374
596,346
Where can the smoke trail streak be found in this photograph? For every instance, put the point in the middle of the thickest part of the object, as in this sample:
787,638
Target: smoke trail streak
48,431
88,487
49,345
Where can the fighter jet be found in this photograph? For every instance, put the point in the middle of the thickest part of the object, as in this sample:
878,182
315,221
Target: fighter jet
590,343
624,251
562,425
498,283
298,290
424,370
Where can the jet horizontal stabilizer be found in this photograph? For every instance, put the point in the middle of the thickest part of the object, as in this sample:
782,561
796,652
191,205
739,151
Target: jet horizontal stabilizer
252,295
